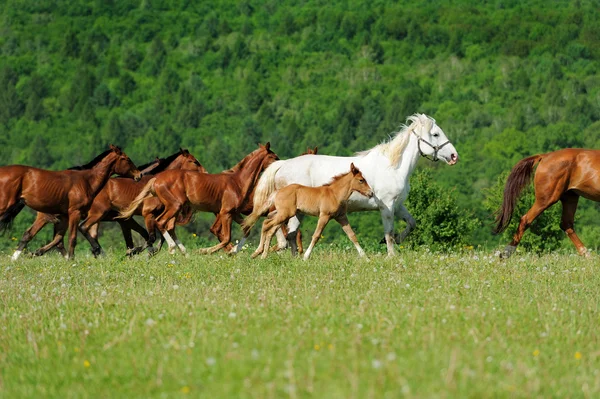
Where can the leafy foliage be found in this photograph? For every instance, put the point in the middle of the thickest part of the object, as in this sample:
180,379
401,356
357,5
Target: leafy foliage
441,223
504,80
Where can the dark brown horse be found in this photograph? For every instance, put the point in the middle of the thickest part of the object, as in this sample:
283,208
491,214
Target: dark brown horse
564,176
117,194
68,192
225,194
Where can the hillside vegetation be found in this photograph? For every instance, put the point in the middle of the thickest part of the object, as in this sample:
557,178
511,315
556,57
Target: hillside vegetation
504,79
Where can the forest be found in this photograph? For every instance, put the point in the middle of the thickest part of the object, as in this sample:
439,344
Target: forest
504,79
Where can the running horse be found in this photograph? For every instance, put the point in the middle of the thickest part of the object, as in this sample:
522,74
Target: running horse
117,194
387,167
563,175
69,192
224,194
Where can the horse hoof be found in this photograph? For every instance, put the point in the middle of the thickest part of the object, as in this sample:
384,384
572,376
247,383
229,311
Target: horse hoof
507,251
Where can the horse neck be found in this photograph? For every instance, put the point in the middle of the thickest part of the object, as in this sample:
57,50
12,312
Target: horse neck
247,175
410,156
341,187
177,163
101,172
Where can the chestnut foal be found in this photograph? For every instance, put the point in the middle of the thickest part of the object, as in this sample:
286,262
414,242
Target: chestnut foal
327,201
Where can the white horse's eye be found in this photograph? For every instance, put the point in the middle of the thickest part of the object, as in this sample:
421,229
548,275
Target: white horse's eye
436,135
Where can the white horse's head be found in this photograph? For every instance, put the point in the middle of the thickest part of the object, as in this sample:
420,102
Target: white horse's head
433,143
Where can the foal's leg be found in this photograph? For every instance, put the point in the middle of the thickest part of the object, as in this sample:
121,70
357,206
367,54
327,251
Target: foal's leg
343,221
323,220
272,225
263,230
41,220
569,203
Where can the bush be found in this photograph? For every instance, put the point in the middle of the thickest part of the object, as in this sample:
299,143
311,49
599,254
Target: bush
441,224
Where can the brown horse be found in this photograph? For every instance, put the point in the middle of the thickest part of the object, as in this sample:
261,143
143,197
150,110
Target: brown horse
224,194
68,192
564,176
326,202
117,194
249,206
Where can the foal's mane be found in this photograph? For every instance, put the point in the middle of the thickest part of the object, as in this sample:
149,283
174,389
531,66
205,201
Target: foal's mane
336,178
394,146
92,163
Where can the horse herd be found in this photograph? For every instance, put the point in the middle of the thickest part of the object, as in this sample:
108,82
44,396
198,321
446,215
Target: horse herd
166,192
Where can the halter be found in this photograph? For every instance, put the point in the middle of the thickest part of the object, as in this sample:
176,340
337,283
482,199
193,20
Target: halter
436,148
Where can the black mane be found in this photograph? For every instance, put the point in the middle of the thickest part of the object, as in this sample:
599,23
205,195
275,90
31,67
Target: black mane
92,163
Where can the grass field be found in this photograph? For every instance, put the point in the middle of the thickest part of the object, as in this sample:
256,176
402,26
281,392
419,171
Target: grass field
419,325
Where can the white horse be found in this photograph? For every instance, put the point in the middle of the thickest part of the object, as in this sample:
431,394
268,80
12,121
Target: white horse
386,167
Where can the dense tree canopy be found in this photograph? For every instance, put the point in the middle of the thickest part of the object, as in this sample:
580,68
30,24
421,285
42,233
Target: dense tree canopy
504,79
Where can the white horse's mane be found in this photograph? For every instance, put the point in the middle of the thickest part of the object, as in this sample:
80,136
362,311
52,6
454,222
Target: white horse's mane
394,146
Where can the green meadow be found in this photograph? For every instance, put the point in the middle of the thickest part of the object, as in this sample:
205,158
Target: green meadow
422,324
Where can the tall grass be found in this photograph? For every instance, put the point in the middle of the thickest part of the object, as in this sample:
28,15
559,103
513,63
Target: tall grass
418,325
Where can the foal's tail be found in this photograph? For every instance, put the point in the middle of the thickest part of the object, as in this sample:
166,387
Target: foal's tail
7,218
257,212
147,192
519,177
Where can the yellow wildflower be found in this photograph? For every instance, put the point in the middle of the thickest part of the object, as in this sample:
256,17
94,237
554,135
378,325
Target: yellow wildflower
536,352
185,389
86,364
317,347
577,355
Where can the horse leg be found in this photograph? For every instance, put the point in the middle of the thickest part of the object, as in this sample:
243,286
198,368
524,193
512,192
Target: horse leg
177,241
293,225
263,230
323,220
40,221
273,224
226,220
410,223
74,218
569,203
169,217
133,225
299,241
60,229
343,221
239,220
526,220
387,217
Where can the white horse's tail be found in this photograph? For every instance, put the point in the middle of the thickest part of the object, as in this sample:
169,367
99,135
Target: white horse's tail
257,212
266,184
